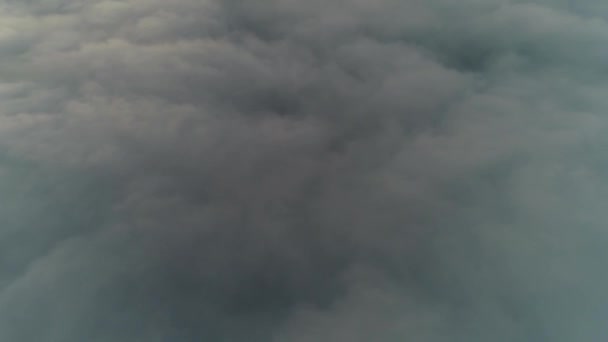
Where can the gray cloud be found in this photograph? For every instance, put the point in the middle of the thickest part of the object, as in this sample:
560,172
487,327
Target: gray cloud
303,171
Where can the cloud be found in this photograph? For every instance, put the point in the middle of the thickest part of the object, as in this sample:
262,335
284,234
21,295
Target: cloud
302,171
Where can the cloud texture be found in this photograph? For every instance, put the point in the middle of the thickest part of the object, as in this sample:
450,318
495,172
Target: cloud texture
303,171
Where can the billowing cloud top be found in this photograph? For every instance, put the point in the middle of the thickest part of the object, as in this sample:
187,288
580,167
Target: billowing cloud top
303,171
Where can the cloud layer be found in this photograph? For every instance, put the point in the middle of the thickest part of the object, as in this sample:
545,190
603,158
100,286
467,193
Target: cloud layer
280,170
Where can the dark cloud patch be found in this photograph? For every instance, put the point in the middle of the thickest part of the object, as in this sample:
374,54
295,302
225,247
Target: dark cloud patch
302,171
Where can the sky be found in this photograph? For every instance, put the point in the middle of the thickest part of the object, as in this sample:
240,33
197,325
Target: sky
303,171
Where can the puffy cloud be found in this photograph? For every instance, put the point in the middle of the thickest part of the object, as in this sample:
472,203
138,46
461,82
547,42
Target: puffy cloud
283,170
